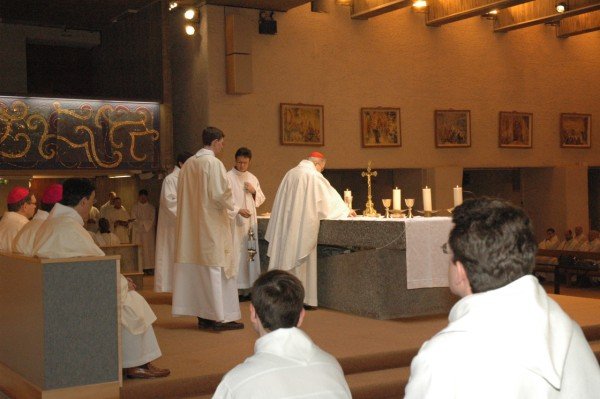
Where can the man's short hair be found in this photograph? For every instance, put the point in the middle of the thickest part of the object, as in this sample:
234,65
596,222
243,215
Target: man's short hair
15,207
182,157
494,240
550,230
75,189
243,152
46,207
143,191
278,297
211,134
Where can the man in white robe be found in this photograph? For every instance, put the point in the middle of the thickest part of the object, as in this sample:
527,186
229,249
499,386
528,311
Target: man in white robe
119,220
166,229
286,363
92,222
144,218
62,235
303,199
204,283
108,204
569,244
506,338
579,238
21,205
247,196
23,243
103,237
550,242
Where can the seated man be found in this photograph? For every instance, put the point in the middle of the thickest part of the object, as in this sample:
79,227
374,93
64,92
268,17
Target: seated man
62,235
23,243
550,242
21,204
103,237
506,337
569,244
593,245
286,363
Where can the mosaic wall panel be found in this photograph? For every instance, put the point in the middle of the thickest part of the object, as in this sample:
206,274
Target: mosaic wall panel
53,133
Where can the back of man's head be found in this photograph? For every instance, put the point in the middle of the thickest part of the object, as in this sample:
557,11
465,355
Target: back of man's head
494,241
182,157
211,134
277,297
74,190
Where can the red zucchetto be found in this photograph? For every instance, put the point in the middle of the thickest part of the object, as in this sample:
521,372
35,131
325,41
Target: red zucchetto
17,194
53,194
316,154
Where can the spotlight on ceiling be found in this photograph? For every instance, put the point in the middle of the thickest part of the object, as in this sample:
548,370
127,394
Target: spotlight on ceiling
419,5
173,5
192,15
343,2
189,14
190,30
562,6
493,14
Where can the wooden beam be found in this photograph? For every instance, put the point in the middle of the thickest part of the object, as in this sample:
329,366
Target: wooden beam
365,9
539,12
578,24
445,11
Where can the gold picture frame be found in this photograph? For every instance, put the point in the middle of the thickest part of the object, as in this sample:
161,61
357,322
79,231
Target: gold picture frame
302,124
515,129
575,130
452,128
380,127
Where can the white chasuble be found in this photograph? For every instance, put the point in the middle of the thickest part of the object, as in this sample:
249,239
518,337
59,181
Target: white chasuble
10,225
248,271
120,214
23,243
166,231
143,231
303,199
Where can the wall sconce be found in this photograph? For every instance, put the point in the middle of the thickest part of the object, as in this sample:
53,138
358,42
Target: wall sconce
562,6
492,14
420,5
192,15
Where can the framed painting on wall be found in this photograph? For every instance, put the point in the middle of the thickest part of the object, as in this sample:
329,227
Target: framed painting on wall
452,128
380,127
302,124
515,129
575,130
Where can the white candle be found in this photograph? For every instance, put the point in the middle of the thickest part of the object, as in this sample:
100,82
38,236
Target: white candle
427,199
458,198
347,194
396,199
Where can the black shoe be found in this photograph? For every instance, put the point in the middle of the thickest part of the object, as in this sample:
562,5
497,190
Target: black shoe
232,325
308,307
205,324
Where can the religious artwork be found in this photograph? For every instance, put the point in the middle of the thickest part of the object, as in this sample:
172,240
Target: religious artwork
452,128
515,130
46,133
380,127
575,130
302,124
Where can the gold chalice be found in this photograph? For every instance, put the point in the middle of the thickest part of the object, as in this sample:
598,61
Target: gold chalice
410,202
387,202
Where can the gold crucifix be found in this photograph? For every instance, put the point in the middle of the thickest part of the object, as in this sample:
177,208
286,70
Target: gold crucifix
369,208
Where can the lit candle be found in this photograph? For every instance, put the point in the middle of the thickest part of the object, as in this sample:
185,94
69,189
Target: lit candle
396,199
427,199
347,194
458,199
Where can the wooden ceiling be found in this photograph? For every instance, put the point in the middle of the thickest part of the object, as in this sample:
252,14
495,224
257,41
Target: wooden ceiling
582,16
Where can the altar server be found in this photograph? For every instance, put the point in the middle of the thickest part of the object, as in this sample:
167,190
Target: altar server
62,235
21,205
286,363
23,243
143,214
204,283
506,337
119,220
303,199
166,229
247,196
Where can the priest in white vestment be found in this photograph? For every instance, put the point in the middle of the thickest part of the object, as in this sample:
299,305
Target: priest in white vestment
21,205
247,196
108,204
144,220
550,242
303,199
63,235
580,238
506,338
204,278
569,243
119,220
104,237
23,243
166,229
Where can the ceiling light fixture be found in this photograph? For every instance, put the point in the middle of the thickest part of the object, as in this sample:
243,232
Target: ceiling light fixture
189,14
562,6
173,5
192,15
492,14
190,30
419,5
343,2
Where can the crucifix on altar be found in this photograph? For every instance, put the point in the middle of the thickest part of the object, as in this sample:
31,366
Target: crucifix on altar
369,208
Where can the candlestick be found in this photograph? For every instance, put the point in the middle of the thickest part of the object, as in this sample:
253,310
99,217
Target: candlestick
397,199
347,193
458,196
427,199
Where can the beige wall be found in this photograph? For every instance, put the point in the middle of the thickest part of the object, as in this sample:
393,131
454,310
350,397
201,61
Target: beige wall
392,60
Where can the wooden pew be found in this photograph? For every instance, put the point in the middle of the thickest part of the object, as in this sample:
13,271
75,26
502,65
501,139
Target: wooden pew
131,261
569,263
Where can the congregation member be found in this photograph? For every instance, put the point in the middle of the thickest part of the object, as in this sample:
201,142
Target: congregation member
108,204
21,205
62,235
303,199
166,229
247,196
23,243
286,363
506,337
569,244
119,220
143,214
579,238
550,242
104,237
204,278
92,221
593,244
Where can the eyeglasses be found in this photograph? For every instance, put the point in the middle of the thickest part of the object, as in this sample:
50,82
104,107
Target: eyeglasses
445,248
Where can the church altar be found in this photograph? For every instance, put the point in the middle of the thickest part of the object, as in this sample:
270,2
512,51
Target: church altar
381,268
